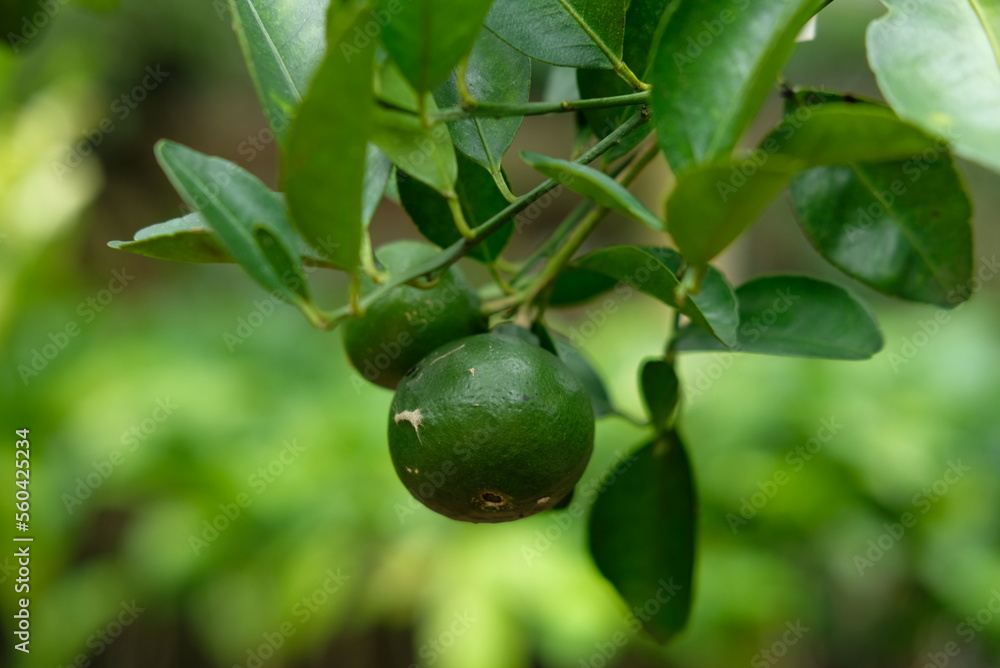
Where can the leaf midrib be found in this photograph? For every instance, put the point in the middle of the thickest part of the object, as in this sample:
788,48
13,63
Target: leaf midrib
936,271
994,42
286,73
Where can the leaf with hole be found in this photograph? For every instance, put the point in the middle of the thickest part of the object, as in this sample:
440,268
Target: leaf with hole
797,316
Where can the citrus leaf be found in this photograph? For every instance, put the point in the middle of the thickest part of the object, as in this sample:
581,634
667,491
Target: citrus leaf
796,316
654,272
660,391
427,38
938,65
282,42
377,169
571,33
589,378
642,534
575,286
596,185
426,154
711,205
185,239
839,132
326,165
288,267
496,73
480,200
234,203
900,227
702,103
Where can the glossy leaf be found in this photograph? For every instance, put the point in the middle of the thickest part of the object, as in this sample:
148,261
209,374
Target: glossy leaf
571,33
596,185
641,21
234,203
325,169
712,70
901,227
185,239
796,316
642,533
480,200
282,42
575,286
427,38
711,205
938,65
426,154
496,73
654,272
660,391
582,369
839,132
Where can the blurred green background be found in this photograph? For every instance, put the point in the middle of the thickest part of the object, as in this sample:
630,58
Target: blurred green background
200,502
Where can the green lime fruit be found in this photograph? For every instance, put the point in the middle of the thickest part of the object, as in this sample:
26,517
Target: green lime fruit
398,330
490,429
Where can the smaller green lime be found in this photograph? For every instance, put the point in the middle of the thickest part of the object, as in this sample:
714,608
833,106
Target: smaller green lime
490,428
406,324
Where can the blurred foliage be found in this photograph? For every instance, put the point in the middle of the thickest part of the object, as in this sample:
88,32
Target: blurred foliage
152,424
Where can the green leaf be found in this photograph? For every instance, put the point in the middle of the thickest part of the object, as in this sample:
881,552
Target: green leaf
377,169
285,264
571,33
839,132
900,227
654,272
480,200
796,316
712,70
582,369
660,391
427,38
234,203
642,533
426,154
938,65
325,168
596,185
185,239
282,42
641,21
496,73
575,286
711,205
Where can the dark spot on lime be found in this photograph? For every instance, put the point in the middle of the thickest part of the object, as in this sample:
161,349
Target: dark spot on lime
490,497
526,398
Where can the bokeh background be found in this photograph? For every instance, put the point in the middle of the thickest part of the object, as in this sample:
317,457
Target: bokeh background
149,425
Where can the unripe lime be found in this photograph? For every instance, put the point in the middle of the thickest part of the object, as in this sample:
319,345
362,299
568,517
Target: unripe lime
406,324
490,429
